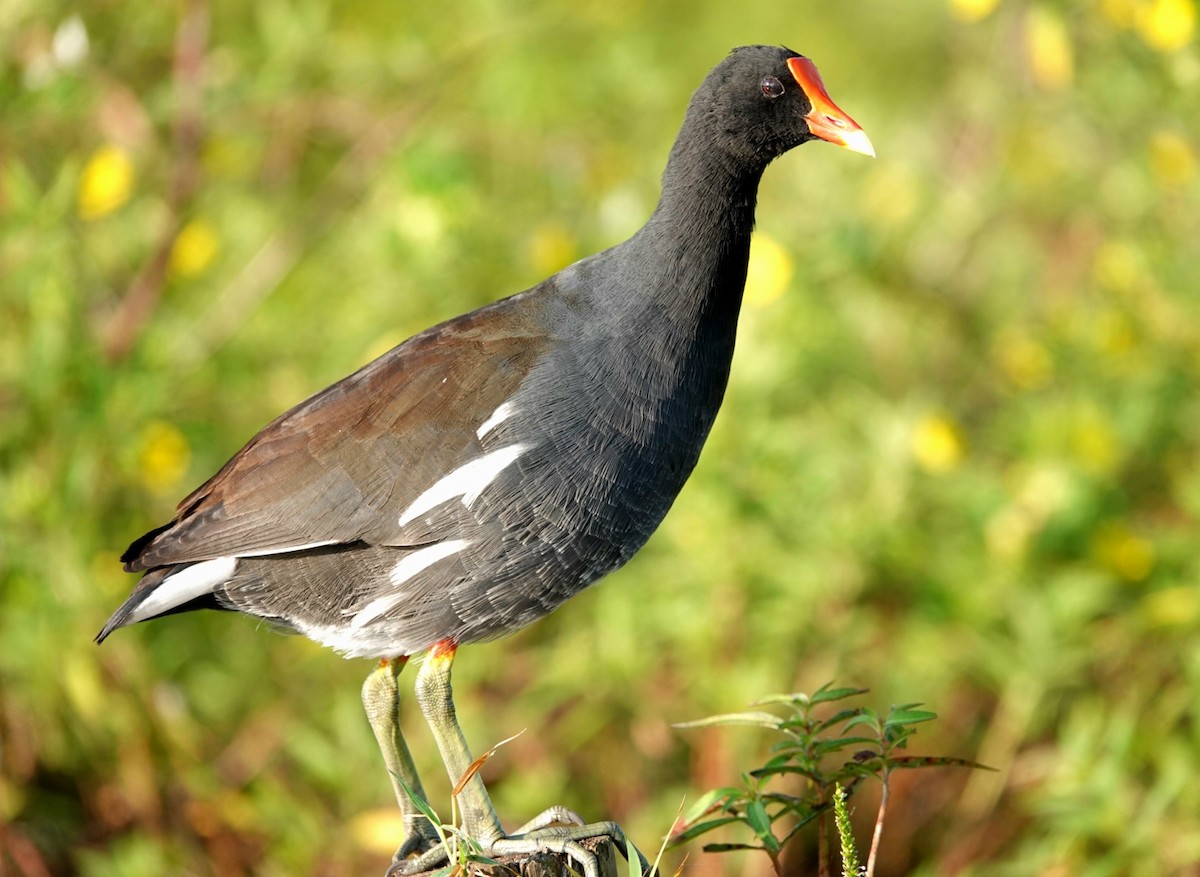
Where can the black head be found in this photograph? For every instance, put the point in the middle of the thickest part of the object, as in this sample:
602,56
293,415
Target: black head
762,101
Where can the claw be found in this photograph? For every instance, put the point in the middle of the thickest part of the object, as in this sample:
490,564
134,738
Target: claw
423,842
555,830
427,861
557,837
556,815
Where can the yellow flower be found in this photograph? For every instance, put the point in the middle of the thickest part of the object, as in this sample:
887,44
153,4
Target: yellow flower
85,690
1172,607
1008,532
1171,160
1122,552
551,248
1115,337
769,273
106,182
164,456
1023,360
376,830
937,444
1167,25
1117,265
1093,442
972,10
194,249
1051,56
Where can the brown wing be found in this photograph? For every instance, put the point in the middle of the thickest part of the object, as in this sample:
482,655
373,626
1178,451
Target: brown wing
341,466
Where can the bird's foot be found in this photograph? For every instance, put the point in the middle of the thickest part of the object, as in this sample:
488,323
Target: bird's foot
556,830
556,815
422,840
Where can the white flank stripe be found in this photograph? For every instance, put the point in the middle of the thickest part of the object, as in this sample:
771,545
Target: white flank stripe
468,481
401,573
287,549
187,584
500,415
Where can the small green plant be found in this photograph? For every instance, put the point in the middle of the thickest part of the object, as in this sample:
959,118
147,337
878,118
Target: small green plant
841,819
831,755
461,850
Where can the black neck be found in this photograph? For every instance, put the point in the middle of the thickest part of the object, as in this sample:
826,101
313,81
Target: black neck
699,233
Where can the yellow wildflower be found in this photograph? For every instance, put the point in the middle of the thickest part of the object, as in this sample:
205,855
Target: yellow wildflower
194,249
972,10
85,690
376,830
106,182
1024,361
1051,56
164,456
1172,607
1009,531
551,248
937,444
1167,25
1093,442
1122,552
1171,160
769,273
1117,265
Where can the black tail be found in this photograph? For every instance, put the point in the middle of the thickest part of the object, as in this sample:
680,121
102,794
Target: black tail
141,591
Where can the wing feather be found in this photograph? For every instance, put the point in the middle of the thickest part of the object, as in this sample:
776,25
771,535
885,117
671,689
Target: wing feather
342,465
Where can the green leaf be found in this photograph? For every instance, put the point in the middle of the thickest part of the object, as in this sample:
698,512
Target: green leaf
824,747
908,716
841,716
694,831
725,848
791,700
419,803
633,861
777,761
825,695
481,859
708,802
754,719
868,718
780,770
758,820
915,761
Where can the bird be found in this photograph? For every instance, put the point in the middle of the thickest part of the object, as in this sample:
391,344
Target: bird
470,480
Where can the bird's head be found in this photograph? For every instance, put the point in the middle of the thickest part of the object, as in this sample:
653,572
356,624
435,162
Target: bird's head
769,99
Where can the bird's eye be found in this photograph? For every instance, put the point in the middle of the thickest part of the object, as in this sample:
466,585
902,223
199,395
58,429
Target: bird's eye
771,87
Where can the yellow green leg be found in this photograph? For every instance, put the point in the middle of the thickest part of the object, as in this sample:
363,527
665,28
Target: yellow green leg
381,700
544,833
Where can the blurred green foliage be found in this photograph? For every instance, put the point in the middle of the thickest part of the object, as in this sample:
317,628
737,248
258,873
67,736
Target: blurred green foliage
957,464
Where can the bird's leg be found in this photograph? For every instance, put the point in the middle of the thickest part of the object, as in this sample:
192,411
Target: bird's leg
381,700
436,700
480,822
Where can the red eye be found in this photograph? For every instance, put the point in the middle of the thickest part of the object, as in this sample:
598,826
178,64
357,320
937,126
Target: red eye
771,87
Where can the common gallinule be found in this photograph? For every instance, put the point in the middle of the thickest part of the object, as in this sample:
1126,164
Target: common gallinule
473,478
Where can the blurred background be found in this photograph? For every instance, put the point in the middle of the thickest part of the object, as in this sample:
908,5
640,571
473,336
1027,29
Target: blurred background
958,461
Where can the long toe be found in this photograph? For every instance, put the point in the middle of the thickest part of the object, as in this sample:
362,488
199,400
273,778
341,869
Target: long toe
557,815
565,838
430,854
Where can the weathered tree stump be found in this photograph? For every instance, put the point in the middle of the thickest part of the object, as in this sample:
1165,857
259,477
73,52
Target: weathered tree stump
555,864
